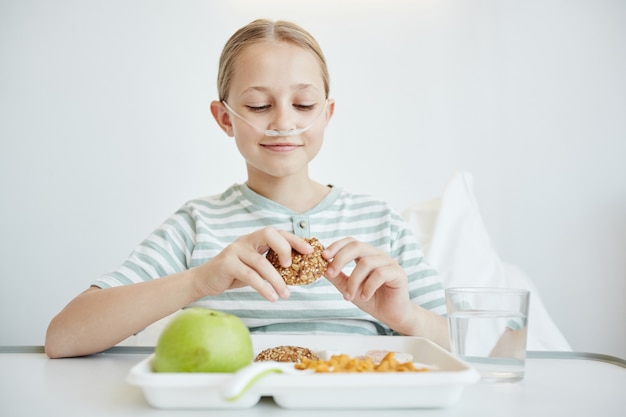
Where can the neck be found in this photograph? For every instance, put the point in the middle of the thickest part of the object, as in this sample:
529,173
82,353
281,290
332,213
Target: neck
299,195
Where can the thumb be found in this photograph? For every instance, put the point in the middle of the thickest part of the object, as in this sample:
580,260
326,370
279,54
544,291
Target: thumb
339,280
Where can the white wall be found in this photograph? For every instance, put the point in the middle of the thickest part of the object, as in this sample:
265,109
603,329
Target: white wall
105,130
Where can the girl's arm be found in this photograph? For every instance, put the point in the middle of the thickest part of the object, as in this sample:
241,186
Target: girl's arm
100,318
425,323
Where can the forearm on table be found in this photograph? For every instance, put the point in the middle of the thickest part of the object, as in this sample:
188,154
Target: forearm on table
425,323
100,318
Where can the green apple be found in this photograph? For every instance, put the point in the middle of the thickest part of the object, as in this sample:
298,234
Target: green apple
203,340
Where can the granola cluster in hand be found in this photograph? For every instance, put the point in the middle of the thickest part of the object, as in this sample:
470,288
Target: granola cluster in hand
304,269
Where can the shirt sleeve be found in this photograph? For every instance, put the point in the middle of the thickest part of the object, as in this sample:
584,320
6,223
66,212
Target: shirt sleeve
424,282
167,250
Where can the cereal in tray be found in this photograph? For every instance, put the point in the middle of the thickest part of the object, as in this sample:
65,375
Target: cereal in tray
345,363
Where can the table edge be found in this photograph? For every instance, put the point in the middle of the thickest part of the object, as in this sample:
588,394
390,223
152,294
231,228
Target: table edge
600,357
533,354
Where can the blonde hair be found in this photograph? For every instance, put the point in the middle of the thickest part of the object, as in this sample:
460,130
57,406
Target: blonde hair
263,30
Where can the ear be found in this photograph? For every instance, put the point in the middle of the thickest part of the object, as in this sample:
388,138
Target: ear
330,110
222,117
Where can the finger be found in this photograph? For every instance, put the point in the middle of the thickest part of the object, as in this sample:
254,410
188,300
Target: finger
283,243
261,275
365,270
331,251
375,280
241,274
345,251
337,256
340,281
296,243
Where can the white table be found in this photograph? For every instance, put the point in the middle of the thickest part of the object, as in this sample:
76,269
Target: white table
556,384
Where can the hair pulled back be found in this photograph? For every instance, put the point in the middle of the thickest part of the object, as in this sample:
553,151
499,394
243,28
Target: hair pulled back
263,30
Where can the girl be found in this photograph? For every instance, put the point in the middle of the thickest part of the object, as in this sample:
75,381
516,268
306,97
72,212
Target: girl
274,101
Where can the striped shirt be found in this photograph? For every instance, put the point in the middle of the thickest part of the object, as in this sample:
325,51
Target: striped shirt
203,227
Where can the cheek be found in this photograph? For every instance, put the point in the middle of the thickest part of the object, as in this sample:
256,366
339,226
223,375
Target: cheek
246,141
315,141
317,133
244,133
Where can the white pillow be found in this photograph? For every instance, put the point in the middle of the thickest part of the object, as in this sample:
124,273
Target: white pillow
455,241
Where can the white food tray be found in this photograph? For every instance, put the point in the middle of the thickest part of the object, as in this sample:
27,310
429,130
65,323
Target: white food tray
432,389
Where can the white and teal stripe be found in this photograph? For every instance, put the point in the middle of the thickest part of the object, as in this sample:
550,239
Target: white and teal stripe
202,228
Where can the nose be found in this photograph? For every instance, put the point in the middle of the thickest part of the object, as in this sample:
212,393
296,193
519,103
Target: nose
283,118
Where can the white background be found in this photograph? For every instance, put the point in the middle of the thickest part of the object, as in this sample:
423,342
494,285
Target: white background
105,130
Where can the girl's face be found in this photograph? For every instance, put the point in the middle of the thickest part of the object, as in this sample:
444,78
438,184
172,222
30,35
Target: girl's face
276,86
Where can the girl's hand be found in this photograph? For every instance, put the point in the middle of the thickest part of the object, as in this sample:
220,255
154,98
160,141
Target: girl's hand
243,263
377,285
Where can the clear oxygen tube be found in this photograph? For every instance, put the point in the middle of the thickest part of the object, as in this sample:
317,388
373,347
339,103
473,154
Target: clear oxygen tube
275,132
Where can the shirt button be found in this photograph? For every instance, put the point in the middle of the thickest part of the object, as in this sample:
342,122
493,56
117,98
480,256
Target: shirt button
302,224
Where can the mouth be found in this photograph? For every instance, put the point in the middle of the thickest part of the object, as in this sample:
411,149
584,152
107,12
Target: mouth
281,147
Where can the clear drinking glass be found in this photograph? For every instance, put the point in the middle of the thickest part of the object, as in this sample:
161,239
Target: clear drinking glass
488,329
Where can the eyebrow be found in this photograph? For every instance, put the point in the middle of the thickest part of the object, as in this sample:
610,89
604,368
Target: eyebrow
295,87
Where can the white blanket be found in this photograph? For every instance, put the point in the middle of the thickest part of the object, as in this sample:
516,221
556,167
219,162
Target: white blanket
456,242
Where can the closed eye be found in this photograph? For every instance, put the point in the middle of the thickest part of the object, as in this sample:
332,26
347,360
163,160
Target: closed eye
304,107
266,107
258,109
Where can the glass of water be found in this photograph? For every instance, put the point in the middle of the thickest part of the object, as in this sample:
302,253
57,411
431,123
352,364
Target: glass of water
488,328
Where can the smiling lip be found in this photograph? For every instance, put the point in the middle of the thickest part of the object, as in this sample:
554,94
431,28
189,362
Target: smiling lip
281,147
